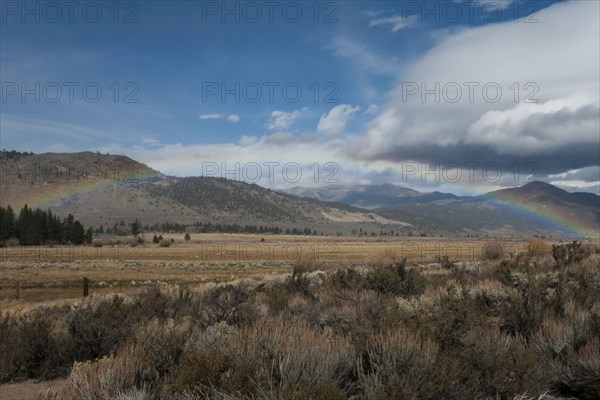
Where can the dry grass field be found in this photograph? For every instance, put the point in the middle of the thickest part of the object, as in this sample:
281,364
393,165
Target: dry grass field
287,317
38,274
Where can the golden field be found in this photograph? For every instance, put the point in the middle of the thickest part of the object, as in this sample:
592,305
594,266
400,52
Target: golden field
30,275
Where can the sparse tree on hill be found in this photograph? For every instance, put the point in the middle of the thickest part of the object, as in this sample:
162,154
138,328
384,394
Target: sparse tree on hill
135,227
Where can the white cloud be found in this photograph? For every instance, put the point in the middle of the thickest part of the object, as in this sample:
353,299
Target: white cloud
372,109
246,140
491,4
335,121
281,120
230,118
558,56
396,22
210,116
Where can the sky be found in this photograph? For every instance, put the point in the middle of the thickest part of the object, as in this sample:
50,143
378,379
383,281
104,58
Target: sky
457,96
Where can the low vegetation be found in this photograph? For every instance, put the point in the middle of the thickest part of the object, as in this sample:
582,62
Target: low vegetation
522,327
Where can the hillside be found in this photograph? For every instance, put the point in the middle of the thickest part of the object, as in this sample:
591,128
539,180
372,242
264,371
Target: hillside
103,189
534,208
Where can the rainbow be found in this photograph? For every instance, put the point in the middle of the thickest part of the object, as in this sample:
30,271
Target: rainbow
75,189
555,219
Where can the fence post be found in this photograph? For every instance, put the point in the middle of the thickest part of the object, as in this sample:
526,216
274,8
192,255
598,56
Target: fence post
86,287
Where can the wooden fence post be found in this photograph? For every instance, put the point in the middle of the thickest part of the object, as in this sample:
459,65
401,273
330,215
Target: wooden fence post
86,287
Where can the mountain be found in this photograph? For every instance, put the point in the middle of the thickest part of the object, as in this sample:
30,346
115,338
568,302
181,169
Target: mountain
105,189
369,196
542,192
534,208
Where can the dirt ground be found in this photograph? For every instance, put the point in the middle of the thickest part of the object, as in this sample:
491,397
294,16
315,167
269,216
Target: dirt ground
27,390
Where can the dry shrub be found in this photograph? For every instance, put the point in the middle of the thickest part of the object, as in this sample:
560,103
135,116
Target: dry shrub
492,295
117,376
233,304
165,243
34,345
299,281
292,357
396,279
569,253
580,378
163,344
537,248
492,251
496,365
397,365
271,359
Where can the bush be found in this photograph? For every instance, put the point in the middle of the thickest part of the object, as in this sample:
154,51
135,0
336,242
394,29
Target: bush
581,377
34,345
298,281
445,262
492,251
119,376
374,334
165,243
569,253
394,278
537,248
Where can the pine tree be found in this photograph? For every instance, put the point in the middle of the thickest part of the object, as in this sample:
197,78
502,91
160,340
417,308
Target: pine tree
135,227
77,233
7,223
88,236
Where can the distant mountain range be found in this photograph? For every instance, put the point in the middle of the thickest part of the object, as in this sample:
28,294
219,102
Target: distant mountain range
102,189
370,196
534,207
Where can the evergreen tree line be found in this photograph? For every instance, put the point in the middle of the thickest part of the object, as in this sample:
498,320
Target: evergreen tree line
236,228
136,228
35,227
213,228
